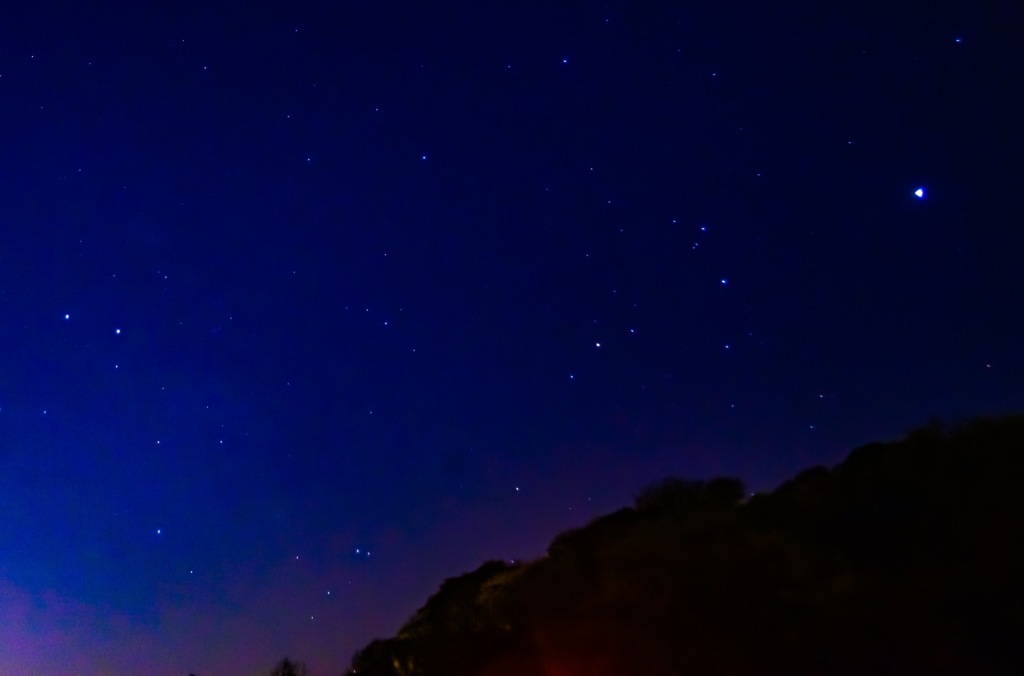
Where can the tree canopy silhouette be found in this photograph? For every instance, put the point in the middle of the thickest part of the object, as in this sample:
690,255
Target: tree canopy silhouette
902,559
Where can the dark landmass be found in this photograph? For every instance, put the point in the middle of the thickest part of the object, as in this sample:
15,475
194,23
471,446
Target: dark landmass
905,558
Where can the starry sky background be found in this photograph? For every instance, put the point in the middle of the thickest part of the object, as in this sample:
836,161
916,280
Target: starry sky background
308,306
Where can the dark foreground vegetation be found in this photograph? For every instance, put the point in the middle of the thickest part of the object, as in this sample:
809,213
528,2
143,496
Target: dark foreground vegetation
907,558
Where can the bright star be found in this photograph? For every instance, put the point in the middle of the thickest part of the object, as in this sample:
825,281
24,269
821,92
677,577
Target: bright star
919,193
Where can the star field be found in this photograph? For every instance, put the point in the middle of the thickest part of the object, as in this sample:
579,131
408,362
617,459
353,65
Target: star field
307,308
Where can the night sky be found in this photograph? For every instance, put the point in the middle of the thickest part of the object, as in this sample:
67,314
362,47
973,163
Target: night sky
308,306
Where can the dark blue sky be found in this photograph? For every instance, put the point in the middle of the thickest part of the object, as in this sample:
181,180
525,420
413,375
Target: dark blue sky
310,305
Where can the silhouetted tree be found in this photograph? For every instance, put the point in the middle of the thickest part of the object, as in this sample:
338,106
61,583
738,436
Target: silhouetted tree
288,668
673,493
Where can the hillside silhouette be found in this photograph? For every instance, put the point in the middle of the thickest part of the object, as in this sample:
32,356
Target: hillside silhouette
905,558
